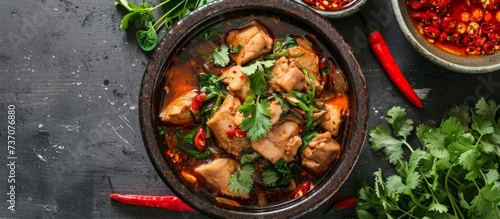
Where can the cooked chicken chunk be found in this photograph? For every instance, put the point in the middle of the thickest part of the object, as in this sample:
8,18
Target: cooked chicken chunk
275,111
282,141
178,111
303,56
320,153
223,121
286,76
254,40
216,174
336,109
238,83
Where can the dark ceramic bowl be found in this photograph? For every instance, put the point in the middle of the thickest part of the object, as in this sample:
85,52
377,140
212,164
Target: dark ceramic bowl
471,65
353,132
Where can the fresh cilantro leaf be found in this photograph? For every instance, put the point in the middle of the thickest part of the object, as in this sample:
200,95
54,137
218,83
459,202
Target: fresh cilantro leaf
221,55
257,121
212,85
402,126
269,177
454,174
257,75
381,139
252,68
147,39
241,182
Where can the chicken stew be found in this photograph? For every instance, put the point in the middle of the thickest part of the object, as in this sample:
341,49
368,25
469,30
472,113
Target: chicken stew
252,112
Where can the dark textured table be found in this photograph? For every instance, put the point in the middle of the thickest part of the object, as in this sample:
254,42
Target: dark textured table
72,78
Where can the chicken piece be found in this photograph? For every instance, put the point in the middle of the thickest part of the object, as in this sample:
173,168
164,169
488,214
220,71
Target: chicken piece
275,111
238,83
254,39
178,111
217,173
286,76
223,121
303,56
336,110
320,153
282,141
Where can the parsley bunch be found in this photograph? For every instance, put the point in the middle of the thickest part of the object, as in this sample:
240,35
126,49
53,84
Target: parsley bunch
454,174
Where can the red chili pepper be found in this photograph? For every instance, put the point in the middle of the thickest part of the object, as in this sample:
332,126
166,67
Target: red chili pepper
421,16
237,133
301,190
341,205
384,56
200,139
432,32
198,101
172,203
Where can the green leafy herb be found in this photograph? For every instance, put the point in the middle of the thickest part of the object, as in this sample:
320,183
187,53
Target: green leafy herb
257,119
195,153
241,182
257,75
211,85
147,39
249,158
454,174
189,136
221,55
269,177
142,16
237,48
307,139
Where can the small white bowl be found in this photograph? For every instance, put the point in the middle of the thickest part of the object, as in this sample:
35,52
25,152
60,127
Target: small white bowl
470,65
339,13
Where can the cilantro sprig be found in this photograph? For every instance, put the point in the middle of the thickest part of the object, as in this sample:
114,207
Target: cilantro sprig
147,27
257,119
241,182
454,174
257,75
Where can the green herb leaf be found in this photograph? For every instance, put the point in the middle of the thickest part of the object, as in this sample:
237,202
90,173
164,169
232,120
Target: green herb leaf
241,182
147,39
269,177
221,55
257,121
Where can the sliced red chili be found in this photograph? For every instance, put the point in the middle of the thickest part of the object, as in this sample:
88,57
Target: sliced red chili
448,24
198,101
237,133
488,48
432,32
301,190
200,139
421,16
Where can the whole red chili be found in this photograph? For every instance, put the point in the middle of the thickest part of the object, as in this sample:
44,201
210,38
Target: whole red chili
341,205
237,133
200,139
198,101
301,190
384,56
172,203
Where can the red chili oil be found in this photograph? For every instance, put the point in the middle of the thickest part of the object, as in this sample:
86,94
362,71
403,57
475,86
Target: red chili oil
475,29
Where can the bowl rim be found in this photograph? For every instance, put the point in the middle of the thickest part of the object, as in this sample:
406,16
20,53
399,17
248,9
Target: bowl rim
433,54
337,14
216,10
